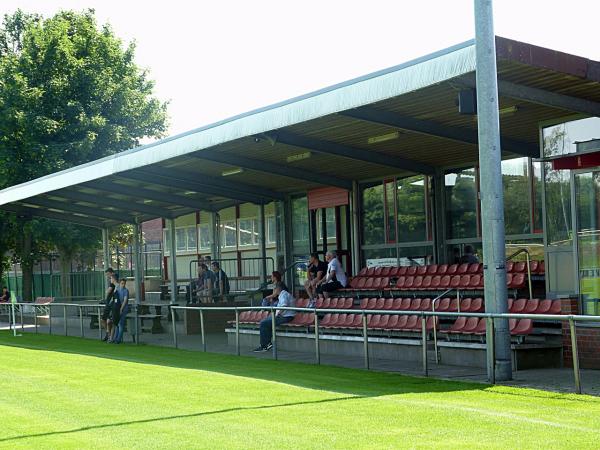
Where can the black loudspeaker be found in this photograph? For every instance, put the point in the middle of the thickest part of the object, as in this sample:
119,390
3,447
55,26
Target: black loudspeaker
467,102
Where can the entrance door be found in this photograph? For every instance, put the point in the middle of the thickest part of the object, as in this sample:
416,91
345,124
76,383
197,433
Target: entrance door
587,204
332,232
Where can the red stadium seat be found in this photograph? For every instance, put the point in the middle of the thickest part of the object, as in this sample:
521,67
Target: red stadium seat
455,281
383,323
518,281
397,306
408,282
298,320
544,306
511,302
385,283
349,303
379,303
426,282
465,304
369,283
531,306
361,283
435,282
346,321
475,268
415,304
442,269
555,308
371,303
445,282
453,305
470,325
510,266
475,281
411,270
541,268
452,269
425,304
509,278
389,304
377,271
442,304
325,304
477,305
373,320
465,281
520,267
402,271
457,326
406,302
533,266
418,282
376,283
431,323
371,271
363,272
392,322
402,321
394,271
333,303
432,269
385,271
363,303
421,270
518,306
522,327
480,328
356,322
462,269
412,323
400,282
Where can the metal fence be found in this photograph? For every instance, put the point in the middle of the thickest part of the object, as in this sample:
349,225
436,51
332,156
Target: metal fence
17,312
245,274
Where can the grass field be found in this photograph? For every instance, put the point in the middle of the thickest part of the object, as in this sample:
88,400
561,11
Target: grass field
61,393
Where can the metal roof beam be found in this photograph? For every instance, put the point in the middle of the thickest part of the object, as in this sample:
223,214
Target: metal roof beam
51,215
354,153
148,194
104,202
274,169
228,186
543,97
430,128
189,185
70,207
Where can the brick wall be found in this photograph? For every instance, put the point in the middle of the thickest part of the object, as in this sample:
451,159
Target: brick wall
588,340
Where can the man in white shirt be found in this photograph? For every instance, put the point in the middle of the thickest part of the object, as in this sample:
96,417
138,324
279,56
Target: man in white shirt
335,278
266,325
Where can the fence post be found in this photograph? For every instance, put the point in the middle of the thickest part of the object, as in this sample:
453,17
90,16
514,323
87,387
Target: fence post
274,332
21,317
424,344
49,318
317,349
491,357
365,340
99,324
137,322
237,332
174,326
575,355
35,319
81,321
202,330
65,318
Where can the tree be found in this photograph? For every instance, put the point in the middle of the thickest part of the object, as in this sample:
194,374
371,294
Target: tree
70,92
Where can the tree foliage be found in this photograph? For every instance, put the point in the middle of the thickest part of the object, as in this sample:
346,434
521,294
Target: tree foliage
70,92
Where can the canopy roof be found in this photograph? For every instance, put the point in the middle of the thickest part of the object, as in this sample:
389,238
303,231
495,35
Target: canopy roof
398,121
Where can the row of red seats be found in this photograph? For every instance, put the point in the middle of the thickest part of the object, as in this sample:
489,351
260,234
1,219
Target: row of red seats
534,306
536,267
376,322
477,326
423,304
431,282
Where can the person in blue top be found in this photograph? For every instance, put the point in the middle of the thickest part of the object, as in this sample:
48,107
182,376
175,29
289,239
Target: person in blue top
281,317
123,293
5,298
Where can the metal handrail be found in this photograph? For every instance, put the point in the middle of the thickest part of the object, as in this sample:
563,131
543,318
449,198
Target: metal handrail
528,258
439,297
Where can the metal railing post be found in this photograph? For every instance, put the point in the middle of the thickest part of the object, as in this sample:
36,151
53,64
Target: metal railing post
491,358
137,323
99,324
21,317
274,333
35,319
529,275
237,332
65,318
575,355
317,349
81,321
49,318
424,343
203,337
365,340
174,327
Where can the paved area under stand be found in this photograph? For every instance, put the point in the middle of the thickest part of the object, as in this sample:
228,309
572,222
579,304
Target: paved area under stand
556,380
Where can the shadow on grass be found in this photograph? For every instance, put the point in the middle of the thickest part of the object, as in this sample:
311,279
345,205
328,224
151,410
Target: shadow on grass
356,382
175,417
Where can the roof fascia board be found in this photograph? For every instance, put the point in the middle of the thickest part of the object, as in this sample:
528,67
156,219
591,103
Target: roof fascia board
423,72
72,208
354,153
51,215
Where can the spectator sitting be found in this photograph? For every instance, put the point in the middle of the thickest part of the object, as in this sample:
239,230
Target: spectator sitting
207,283
271,300
335,278
5,298
469,256
123,293
316,272
285,299
221,288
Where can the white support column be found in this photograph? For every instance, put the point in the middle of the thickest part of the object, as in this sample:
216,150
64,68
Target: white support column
172,261
136,260
492,195
355,227
262,240
214,236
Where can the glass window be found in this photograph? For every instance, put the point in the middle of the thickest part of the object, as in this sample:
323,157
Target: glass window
558,206
228,233
300,222
372,215
271,230
204,231
412,209
421,256
537,197
390,210
192,240
330,221
561,139
248,232
380,257
167,234
517,217
181,239
461,204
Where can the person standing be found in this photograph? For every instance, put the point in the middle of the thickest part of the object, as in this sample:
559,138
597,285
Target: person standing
221,288
5,298
285,299
123,293
108,306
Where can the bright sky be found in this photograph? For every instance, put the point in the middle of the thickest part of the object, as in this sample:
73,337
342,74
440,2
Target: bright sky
215,59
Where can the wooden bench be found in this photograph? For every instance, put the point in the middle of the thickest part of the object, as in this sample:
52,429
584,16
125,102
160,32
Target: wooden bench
156,326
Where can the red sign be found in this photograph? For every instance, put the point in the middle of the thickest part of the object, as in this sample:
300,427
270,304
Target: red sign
577,161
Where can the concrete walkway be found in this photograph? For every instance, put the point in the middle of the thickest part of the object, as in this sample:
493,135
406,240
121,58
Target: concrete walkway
555,380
